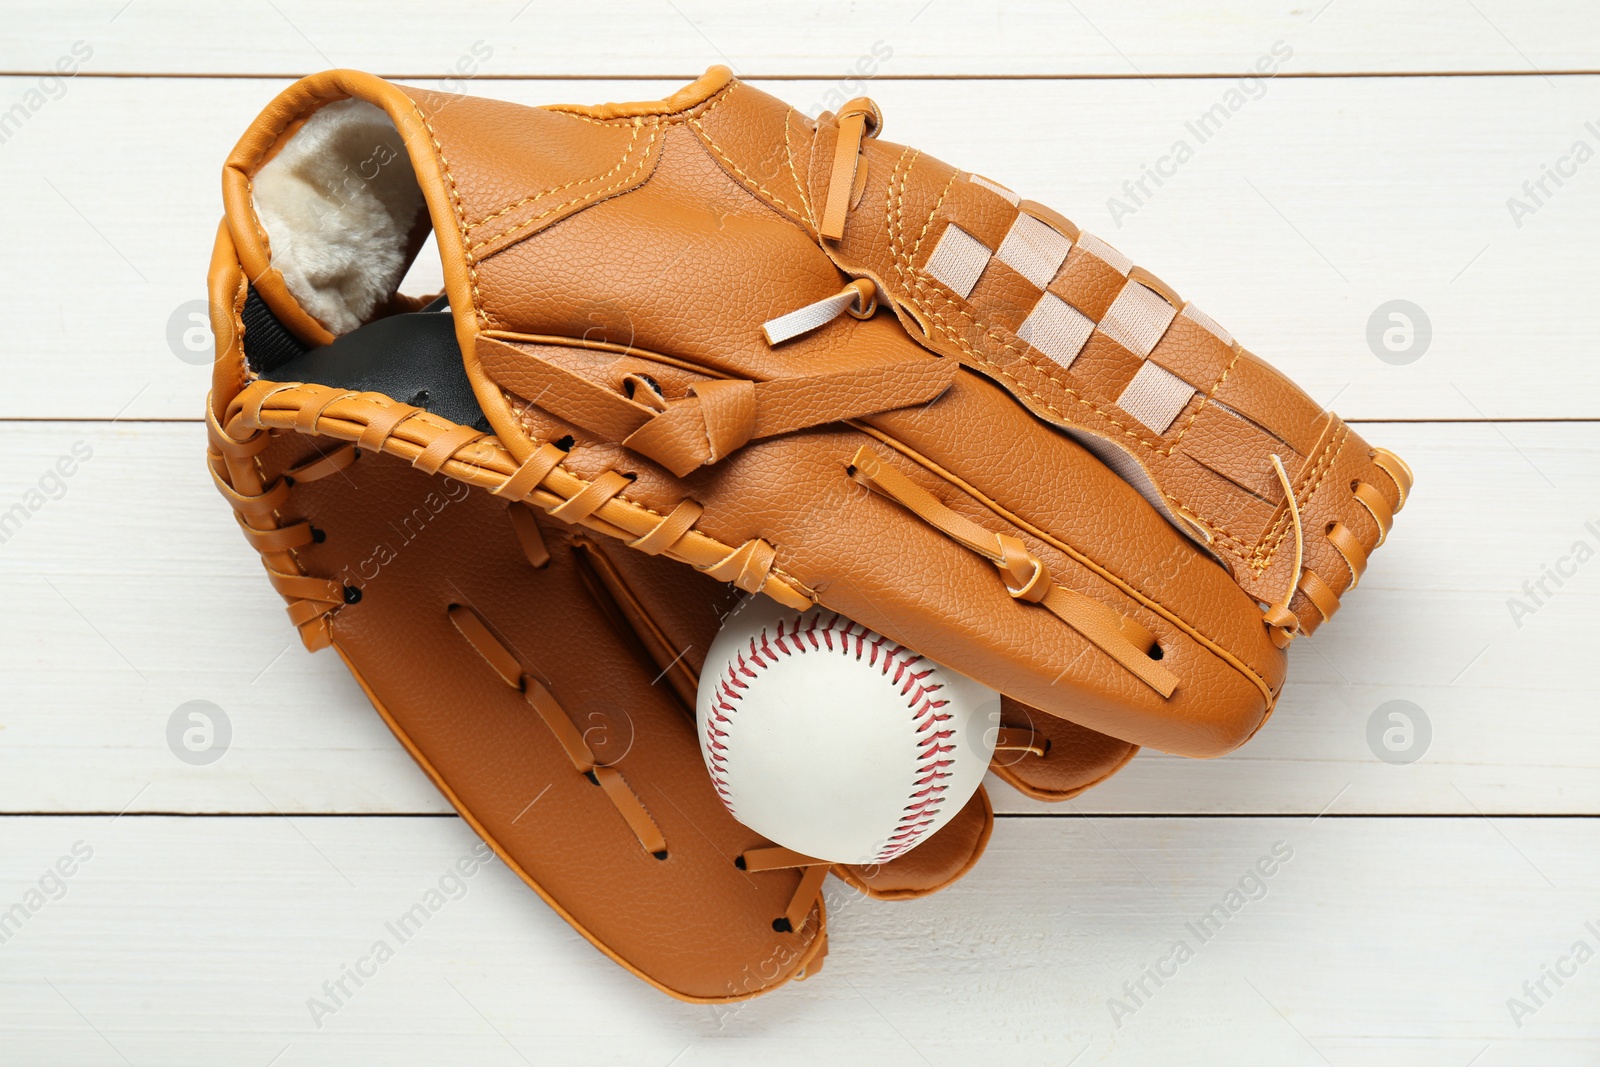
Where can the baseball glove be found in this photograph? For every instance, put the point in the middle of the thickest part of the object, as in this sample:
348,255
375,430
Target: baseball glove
827,369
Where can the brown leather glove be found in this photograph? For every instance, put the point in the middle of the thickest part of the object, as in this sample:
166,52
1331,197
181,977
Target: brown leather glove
822,367
665,378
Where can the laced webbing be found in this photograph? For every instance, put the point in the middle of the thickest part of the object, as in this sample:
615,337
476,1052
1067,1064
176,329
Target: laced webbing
472,627
1025,576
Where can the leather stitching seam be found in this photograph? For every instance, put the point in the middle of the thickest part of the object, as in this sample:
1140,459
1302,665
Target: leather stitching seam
633,143
458,211
716,149
593,194
794,174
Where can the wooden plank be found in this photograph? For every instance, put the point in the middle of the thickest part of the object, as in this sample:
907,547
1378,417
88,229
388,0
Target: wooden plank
916,37
1372,941
1314,206
134,593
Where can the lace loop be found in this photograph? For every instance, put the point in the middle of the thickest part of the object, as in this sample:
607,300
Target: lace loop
859,120
859,299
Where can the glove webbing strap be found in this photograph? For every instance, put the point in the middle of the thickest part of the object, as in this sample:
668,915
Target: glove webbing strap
1025,575
718,416
471,626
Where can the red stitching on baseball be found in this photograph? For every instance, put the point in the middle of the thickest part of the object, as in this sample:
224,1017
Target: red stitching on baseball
932,771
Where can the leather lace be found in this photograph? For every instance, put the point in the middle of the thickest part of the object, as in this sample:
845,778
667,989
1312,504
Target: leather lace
1283,623
1025,576
859,120
720,416
775,858
544,704
859,299
375,422
1020,739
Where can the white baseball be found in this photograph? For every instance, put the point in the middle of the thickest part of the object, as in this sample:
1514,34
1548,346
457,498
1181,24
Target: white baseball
827,738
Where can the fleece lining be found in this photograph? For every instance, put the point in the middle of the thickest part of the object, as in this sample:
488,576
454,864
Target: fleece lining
338,203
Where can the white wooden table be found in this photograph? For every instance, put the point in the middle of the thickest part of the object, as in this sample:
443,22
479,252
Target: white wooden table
1425,904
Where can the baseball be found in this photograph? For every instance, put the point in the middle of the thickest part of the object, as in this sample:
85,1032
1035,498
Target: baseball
832,740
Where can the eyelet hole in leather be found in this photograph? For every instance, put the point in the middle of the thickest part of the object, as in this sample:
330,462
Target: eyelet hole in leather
318,536
660,855
738,861
782,925
630,384
1156,652
564,443
352,595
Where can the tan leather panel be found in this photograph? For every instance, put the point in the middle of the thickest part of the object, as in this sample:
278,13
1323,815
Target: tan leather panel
1010,296
415,544
758,145
1075,757
688,230
516,170
1106,368
1231,514
1271,400
1088,283
1238,450
1194,354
